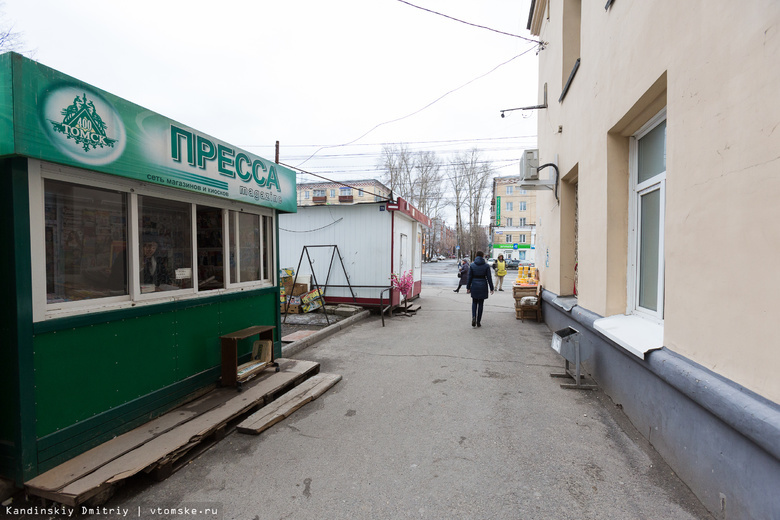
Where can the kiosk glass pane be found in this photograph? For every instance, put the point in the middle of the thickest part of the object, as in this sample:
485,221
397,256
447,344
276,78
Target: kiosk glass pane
244,247
211,273
86,242
165,241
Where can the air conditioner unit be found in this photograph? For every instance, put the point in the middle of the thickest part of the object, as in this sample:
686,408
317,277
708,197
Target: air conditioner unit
529,165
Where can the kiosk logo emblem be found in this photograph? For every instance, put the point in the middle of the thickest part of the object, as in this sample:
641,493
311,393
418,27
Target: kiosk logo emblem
83,124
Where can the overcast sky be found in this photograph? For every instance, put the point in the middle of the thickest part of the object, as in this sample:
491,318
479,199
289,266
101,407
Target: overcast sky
308,73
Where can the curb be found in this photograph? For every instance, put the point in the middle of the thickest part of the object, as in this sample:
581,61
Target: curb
297,346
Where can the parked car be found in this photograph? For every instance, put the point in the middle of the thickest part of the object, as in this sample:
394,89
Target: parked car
442,257
491,261
512,263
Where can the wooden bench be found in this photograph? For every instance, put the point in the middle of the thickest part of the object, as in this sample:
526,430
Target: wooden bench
262,354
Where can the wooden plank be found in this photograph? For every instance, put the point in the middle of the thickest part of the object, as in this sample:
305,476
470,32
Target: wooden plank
283,407
75,468
190,432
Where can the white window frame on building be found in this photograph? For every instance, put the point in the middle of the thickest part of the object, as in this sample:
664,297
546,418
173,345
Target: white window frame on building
345,192
508,239
645,290
521,221
509,190
320,193
509,206
508,221
306,194
332,193
521,239
522,205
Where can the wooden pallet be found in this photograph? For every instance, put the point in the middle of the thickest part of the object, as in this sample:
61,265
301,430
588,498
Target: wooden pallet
283,407
157,445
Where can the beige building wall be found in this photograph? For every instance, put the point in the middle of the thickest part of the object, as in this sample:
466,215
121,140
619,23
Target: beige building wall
713,66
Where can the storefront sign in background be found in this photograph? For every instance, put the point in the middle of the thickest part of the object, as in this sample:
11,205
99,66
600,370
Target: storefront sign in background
54,117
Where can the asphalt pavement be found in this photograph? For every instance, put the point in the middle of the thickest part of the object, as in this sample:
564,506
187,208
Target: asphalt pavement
433,419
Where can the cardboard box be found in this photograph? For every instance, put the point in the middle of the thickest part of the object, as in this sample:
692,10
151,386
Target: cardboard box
311,306
291,309
300,289
286,272
311,296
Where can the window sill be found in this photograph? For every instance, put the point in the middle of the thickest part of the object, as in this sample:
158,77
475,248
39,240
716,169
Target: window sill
635,334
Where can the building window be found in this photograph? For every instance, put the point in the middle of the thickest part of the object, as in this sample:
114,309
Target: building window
332,193
522,192
521,221
360,193
306,194
165,237
319,193
509,239
509,206
508,221
648,194
521,205
86,238
509,190
345,192
521,239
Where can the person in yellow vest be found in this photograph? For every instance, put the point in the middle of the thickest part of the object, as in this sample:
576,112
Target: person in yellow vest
500,266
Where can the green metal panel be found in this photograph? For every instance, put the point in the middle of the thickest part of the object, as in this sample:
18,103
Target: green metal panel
82,372
17,402
6,105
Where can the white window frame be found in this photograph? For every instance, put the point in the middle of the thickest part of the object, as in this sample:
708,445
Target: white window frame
509,206
38,171
509,190
521,205
636,191
521,239
507,221
332,193
509,239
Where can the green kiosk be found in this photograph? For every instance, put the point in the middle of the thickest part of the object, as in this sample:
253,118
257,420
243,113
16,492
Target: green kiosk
131,244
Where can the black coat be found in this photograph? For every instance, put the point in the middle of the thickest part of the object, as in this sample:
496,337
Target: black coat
479,279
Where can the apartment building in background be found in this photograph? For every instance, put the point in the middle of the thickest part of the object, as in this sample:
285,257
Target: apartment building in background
347,192
512,227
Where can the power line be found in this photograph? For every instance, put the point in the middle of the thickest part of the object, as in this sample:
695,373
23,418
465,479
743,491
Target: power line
471,24
425,107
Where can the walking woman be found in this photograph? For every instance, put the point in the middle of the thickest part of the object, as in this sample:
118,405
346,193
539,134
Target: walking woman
463,273
479,281
500,272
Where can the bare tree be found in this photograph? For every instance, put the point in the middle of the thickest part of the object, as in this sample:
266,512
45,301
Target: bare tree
456,177
470,179
10,40
398,165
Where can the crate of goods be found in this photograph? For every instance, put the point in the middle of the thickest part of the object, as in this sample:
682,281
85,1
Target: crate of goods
519,291
300,289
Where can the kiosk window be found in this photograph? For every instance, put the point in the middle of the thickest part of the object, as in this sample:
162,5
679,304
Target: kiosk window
85,237
245,253
165,244
211,274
